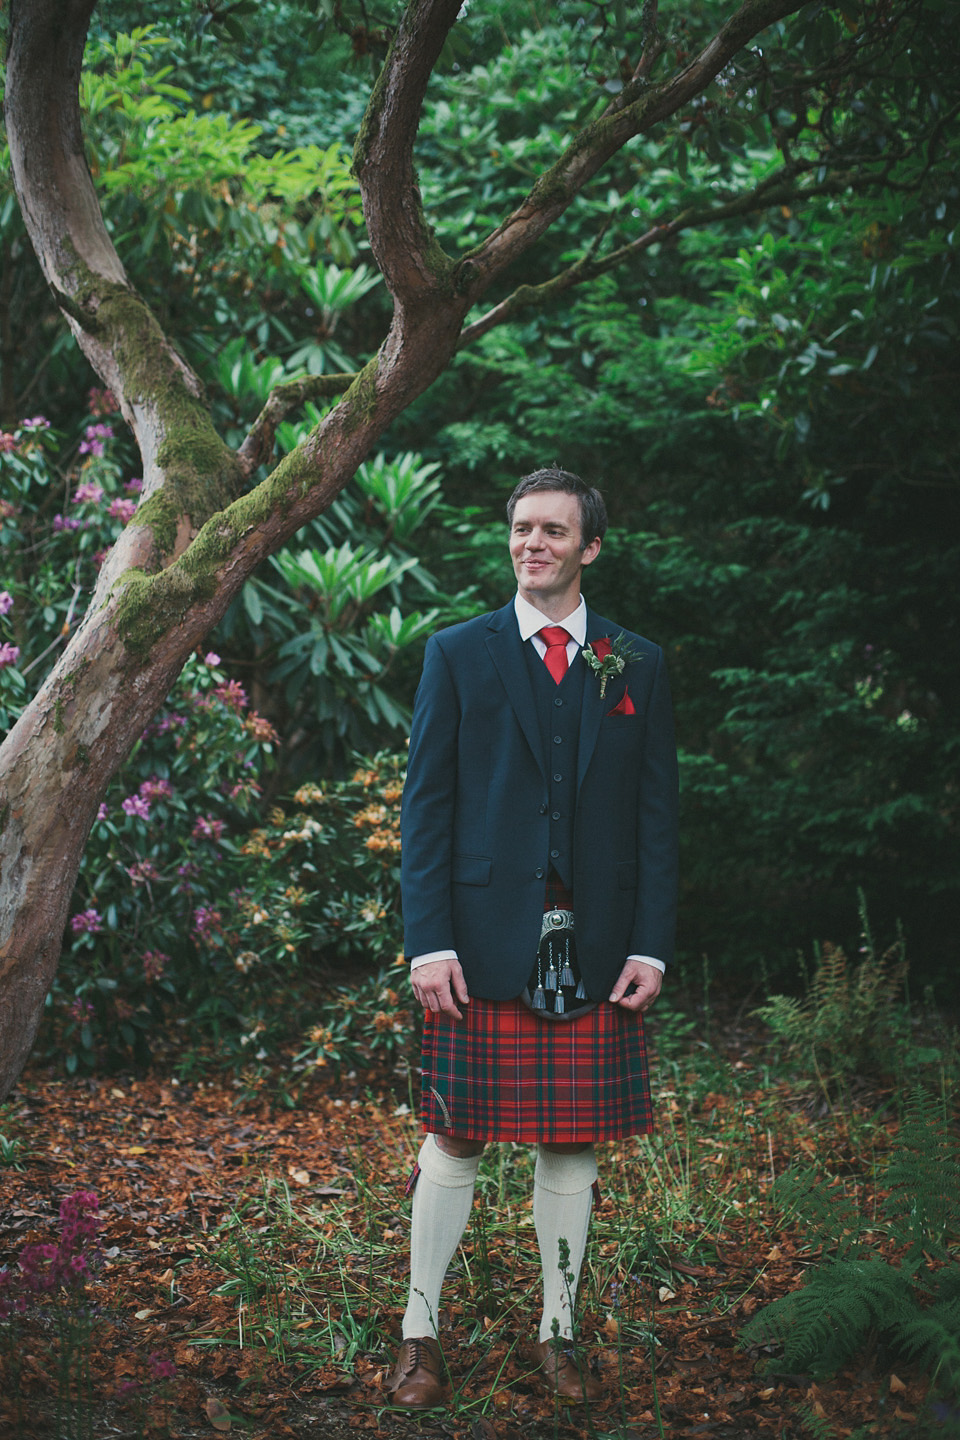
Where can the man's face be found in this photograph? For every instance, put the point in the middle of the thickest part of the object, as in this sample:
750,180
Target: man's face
545,548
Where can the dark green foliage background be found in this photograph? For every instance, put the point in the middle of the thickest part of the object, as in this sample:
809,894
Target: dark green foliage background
769,404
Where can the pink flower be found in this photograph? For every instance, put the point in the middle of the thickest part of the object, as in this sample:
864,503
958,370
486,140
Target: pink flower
8,442
156,789
211,658
122,510
102,402
154,964
134,486
232,693
102,812
6,602
88,491
143,871
207,828
88,922
136,805
161,1369
9,654
59,523
37,422
80,1010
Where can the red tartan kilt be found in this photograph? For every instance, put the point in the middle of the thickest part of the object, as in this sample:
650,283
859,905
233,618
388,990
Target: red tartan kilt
502,1074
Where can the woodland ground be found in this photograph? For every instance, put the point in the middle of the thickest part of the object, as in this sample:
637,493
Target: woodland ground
260,1249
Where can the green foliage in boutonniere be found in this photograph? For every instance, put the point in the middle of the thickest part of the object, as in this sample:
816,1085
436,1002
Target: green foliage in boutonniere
609,657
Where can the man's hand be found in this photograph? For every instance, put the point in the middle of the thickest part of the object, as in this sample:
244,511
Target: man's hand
439,985
647,979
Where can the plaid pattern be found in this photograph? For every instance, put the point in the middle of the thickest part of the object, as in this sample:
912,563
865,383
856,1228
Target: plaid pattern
502,1074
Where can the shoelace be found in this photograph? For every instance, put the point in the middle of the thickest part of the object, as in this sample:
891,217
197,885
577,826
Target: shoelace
418,1348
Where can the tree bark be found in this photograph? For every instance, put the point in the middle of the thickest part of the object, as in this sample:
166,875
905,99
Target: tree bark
198,534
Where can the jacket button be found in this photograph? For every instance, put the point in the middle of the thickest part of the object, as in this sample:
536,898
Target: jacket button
557,739
558,702
555,815
558,778
539,872
554,854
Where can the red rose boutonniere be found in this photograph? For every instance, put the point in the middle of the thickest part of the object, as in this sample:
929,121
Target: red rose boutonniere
609,658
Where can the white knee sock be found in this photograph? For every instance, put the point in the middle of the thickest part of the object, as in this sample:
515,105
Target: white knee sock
561,1207
441,1208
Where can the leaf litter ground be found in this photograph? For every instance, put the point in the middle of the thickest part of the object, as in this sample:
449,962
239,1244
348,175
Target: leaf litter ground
260,1250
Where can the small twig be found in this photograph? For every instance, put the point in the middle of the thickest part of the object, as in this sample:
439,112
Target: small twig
65,628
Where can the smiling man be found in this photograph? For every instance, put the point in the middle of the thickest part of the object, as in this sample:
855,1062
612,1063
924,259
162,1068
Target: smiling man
539,899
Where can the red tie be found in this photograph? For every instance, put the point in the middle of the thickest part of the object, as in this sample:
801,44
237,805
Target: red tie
555,638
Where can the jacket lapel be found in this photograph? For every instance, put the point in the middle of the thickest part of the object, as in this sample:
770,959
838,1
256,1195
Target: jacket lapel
506,651
592,707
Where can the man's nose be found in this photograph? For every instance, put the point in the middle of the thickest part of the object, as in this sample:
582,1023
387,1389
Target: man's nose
535,540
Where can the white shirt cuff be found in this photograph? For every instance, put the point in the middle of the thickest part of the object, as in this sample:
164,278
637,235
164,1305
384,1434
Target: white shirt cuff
431,956
649,960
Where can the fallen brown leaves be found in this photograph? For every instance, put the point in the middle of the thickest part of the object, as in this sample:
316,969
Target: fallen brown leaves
172,1162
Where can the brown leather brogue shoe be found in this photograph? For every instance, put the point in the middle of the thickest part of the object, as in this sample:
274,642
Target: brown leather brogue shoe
561,1375
418,1381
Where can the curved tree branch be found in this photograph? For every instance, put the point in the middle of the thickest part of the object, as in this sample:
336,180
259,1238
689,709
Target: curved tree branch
257,448
594,145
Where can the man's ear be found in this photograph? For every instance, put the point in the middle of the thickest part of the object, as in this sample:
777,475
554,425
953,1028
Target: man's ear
590,552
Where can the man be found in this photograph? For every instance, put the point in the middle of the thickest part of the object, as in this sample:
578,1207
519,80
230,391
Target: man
539,895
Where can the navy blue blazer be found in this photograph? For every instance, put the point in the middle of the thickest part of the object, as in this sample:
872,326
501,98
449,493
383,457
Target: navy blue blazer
475,824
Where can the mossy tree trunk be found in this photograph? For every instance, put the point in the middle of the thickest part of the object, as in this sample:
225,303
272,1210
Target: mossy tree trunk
202,526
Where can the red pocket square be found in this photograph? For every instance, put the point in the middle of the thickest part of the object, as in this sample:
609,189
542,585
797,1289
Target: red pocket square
624,706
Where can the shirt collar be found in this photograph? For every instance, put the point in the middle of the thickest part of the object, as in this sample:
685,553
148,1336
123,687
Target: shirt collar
530,620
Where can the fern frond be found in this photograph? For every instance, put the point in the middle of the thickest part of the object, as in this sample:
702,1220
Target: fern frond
933,1339
823,1324
830,1216
923,1175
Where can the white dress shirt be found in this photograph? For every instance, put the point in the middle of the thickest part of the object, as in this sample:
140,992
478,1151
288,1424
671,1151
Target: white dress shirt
531,620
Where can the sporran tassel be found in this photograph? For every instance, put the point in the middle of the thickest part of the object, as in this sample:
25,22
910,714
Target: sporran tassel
581,993
539,999
558,1003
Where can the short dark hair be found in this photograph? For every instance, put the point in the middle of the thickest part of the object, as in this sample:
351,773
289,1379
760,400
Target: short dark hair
593,512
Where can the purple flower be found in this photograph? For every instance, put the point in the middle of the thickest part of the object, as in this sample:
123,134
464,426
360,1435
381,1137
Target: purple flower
206,920
102,812
122,510
95,435
80,1010
59,523
211,658
87,922
9,654
134,486
88,491
136,805
37,422
6,602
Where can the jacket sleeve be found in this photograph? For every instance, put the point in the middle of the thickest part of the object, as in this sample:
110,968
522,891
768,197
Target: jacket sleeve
427,816
657,827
